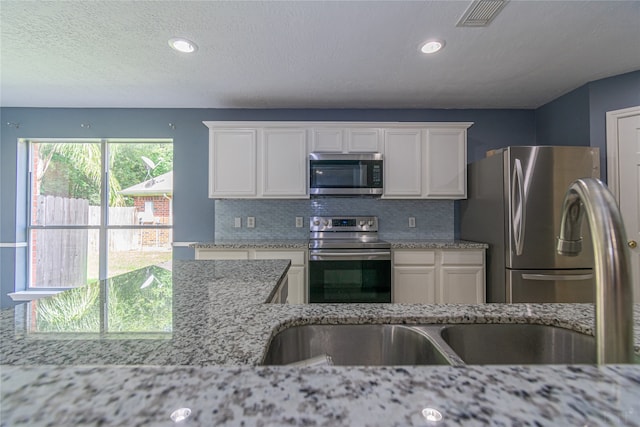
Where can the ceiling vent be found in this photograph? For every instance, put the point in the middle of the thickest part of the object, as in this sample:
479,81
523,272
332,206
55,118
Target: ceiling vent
481,12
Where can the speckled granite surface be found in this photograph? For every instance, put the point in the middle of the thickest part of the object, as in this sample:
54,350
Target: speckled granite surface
436,244
252,244
329,396
303,244
221,327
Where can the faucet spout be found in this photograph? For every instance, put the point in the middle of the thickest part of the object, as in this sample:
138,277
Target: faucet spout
614,303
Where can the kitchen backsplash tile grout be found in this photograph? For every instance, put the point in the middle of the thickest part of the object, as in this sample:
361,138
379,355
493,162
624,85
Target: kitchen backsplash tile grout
275,219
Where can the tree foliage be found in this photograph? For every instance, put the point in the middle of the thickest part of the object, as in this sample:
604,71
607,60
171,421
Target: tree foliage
74,169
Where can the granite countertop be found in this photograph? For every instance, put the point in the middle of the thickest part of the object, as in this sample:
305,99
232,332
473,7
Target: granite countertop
436,244
253,244
220,329
304,244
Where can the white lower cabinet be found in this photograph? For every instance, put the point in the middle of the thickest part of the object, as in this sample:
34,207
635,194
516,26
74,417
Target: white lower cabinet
296,276
420,276
297,289
414,284
439,276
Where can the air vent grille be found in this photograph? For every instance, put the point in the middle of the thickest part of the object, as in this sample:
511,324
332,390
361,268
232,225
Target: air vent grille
481,12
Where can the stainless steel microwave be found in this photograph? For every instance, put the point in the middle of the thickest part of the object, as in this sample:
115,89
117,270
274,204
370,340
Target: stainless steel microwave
345,174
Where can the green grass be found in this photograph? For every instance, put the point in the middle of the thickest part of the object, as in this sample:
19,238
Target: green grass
126,261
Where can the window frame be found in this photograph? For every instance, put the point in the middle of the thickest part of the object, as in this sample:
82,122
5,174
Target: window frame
103,227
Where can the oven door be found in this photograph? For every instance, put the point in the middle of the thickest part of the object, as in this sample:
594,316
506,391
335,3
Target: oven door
349,276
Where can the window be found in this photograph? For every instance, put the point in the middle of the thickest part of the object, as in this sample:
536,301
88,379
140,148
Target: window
98,209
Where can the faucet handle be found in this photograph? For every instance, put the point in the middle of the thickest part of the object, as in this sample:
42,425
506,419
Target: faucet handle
632,244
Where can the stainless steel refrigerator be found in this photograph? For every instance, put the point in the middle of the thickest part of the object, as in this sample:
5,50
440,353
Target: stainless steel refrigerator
514,201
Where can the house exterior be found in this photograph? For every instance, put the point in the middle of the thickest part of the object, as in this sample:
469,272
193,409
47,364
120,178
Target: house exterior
153,200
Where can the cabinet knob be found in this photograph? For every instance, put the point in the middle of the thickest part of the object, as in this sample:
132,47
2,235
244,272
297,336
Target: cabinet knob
632,244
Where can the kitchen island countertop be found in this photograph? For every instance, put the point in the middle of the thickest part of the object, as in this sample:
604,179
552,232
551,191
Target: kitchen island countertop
221,327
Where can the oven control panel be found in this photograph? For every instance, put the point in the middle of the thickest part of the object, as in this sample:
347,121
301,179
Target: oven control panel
343,223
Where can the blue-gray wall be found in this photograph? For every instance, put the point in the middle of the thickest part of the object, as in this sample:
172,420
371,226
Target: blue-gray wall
579,117
194,213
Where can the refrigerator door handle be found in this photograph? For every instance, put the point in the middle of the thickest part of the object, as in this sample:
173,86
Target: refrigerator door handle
555,277
518,210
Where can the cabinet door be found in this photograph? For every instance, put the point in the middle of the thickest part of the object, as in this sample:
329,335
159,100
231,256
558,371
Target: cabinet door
363,140
297,294
284,163
327,141
217,254
415,285
402,163
445,175
232,163
297,271
461,284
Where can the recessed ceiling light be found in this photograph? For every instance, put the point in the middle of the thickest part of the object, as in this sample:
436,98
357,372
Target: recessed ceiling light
183,45
432,46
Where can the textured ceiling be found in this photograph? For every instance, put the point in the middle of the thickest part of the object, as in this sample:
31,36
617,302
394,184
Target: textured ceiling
308,54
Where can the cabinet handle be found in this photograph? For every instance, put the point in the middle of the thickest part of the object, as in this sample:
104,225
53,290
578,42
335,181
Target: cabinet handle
632,244
557,276
518,211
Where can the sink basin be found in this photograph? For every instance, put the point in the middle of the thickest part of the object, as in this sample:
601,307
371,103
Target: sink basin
479,344
458,344
348,345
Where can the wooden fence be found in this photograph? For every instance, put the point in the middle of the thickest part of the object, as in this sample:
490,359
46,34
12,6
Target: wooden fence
60,256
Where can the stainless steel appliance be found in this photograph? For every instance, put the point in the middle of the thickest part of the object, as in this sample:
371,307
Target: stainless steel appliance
514,203
345,174
347,261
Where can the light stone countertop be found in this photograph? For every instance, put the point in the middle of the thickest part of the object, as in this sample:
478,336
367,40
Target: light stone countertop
221,327
304,244
253,244
436,244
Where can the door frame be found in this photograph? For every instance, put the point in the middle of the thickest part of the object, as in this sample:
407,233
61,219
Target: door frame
612,142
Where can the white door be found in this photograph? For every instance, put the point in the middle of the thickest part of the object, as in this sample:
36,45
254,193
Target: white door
623,150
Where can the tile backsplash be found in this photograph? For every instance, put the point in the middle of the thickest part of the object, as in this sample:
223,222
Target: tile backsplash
276,219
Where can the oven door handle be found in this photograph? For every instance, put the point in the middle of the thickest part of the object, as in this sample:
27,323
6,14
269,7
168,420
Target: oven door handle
325,256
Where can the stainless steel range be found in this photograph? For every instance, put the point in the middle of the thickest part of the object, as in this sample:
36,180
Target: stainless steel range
347,261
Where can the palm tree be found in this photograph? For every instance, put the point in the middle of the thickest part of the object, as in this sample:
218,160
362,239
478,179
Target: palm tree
87,159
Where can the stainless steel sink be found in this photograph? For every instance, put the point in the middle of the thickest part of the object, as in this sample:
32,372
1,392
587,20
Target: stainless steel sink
454,344
354,345
480,344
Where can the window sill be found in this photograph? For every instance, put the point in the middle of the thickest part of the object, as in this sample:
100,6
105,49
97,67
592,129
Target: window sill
31,295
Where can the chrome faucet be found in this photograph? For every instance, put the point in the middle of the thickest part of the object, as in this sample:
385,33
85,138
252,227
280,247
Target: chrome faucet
614,300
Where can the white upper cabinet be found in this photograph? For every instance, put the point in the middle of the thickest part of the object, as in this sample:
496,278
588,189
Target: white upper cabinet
345,140
422,160
429,162
232,163
445,175
257,162
284,163
402,163
329,140
363,140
